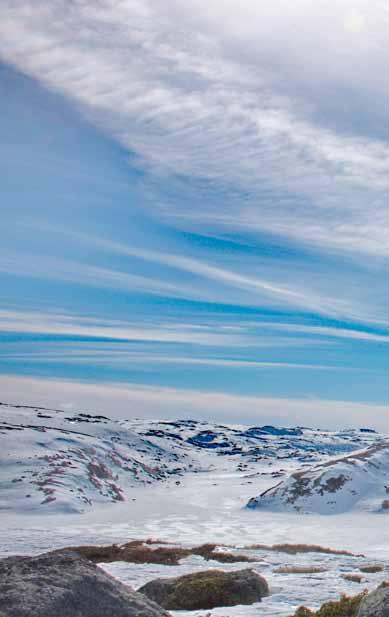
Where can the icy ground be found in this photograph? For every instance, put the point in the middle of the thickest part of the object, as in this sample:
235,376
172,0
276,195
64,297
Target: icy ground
210,506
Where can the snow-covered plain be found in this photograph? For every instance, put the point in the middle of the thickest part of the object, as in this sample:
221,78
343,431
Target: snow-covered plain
200,496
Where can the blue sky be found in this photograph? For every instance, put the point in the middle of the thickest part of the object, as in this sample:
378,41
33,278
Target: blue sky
194,218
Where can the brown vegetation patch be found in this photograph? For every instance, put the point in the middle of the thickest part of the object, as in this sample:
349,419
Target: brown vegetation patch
353,578
132,552
210,552
347,606
300,570
294,549
139,551
371,569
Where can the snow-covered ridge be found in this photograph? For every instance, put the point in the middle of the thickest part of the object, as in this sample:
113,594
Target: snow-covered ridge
61,461
357,481
67,462
257,443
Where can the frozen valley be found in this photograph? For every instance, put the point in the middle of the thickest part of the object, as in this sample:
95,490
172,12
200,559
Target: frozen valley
79,478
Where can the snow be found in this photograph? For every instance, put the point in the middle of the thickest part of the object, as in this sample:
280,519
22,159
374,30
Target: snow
55,461
357,481
67,463
207,504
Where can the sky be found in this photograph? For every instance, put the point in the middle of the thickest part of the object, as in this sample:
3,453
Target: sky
194,208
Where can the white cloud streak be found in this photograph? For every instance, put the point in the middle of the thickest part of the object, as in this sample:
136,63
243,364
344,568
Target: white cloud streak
68,325
203,100
327,332
137,358
207,280
258,288
68,270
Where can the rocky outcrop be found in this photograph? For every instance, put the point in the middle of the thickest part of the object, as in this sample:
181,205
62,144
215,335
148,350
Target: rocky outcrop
356,481
376,603
207,590
63,584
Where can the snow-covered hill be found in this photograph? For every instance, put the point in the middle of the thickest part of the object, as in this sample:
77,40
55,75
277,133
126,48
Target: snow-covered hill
60,461
67,462
253,445
357,481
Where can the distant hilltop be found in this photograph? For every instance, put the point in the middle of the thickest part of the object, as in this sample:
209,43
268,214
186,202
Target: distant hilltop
52,460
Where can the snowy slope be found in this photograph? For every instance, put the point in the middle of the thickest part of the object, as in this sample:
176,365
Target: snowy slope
68,462
59,461
358,481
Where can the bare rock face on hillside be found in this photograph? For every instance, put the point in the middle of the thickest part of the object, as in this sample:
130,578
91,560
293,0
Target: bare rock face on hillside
357,481
207,590
63,584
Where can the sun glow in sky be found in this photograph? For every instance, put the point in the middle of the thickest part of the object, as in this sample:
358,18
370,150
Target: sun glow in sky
195,207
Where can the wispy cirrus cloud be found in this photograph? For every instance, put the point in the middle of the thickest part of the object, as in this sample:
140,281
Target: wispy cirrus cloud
67,270
328,332
213,279
208,280
212,101
249,231
116,357
258,288
73,325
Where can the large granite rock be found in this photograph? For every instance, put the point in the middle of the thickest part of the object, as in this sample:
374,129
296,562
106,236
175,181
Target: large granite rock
206,590
376,603
63,584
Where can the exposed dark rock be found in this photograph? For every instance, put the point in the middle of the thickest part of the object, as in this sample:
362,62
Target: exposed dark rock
63,584
208,439
376,603
206,590
272,430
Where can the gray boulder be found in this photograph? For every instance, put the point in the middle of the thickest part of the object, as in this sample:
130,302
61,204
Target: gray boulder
376,603
63,584
206,590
